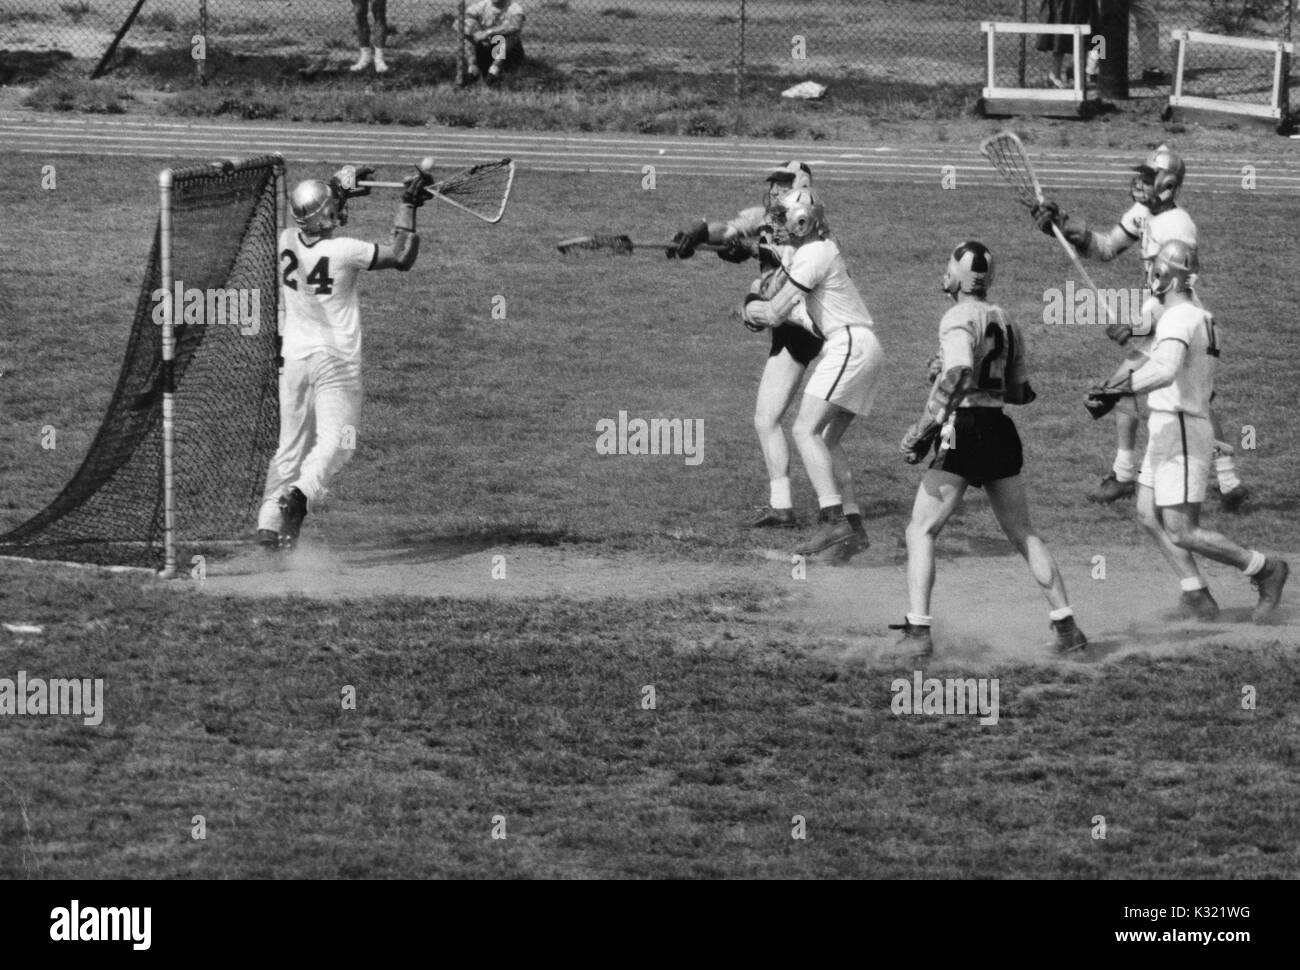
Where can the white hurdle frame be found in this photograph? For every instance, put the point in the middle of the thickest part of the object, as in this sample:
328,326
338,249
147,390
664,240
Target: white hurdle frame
1273,111
998,100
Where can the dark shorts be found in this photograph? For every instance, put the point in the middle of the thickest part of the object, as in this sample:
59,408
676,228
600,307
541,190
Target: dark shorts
802,345
988,447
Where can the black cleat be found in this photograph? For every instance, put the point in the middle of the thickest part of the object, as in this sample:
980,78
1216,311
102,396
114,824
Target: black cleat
1233,499
268,540
828,534
294,509
1269,581
774,519
915,643
1198,603
1069,638
1111,489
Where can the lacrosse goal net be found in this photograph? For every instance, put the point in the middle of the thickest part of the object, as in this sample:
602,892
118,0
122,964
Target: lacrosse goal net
180,458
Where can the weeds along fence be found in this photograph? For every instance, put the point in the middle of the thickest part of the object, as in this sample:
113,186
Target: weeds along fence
752,45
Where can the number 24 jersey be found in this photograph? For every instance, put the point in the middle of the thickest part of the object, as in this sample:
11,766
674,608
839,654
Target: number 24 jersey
318,283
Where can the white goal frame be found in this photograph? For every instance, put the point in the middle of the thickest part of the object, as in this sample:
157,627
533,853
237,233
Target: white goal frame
1275,111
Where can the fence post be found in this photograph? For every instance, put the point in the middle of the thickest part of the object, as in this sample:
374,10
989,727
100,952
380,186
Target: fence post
1024,19
740,55
460,44
200,64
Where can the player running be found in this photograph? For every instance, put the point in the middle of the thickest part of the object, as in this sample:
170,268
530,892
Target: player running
814,291
1154,219
794,347
982,367
320,380
1178,379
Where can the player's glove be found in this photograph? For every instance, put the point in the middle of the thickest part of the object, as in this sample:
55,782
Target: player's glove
1047,214
918,440
344,181
1101,401
1119,332
768,256
413,188
933,368
736,250
684,242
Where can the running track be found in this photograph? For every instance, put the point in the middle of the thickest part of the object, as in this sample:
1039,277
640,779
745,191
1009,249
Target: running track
181,140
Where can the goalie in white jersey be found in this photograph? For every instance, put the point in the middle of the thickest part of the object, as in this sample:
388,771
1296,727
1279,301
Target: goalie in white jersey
981,367
320,381
1153,220
1178,379
814,291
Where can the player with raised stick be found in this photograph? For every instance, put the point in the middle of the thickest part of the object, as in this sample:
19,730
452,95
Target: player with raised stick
812,289
794,347
1178,380
981,368
320,380
1154,219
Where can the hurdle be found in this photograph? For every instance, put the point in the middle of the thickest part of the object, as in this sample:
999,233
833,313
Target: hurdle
1073,102
1276,113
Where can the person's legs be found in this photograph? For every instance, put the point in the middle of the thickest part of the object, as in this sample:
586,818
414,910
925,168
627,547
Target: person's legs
360,12
776,391
937,498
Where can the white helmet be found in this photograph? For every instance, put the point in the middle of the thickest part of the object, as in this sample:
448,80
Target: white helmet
316,209
970,270
1174,269
784,179
1159,178
797,215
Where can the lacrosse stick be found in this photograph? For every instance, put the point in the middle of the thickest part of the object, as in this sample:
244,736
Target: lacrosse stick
1007,154
481,190
604,242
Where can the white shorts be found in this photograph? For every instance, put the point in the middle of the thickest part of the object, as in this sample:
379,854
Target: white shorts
848,371
1179,455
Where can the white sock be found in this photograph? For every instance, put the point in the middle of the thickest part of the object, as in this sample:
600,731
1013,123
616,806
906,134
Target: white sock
1124,469
1192,585
779,490
918,619
1060,614
1226,470
1256,563
828,501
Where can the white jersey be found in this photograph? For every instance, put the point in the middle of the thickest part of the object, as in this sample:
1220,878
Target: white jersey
1153,231
1193,327
980,336
318,283
830,299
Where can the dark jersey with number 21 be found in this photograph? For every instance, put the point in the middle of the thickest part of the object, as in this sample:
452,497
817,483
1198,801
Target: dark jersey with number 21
980,336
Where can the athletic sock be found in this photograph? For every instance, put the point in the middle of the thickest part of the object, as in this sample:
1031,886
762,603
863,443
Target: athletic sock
918,619
1257,561
854,519
1063,613
1226,470
779,490
851,509
831,507
1124,469
1192,585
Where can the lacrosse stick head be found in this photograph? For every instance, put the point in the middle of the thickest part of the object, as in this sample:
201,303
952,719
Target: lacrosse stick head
481,190
1006,153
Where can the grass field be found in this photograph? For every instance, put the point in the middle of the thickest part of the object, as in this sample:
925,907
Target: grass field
479,437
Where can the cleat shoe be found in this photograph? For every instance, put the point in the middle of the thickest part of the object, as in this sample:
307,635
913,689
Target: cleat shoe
1110,489
915,643
294,509
1232,499
381,66
363,61
840,553
1198,603
1269,581
828,534
268,540
1069,638
774,519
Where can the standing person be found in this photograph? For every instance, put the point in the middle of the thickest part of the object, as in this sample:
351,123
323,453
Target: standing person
813,289
320,384
793,348
1060,45
1154,219
362,10
1143,13
1178,379
982,368
485,22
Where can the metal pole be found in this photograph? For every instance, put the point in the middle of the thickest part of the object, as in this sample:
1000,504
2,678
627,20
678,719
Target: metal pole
740,55
117,39
201,64
168,386
460,43
1024,19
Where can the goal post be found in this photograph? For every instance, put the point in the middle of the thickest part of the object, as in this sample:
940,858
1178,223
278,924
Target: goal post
180,458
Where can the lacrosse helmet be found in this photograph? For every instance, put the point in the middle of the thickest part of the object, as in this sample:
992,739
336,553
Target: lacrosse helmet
1174,269
797,215
316,209
1158,178
784,179
970,270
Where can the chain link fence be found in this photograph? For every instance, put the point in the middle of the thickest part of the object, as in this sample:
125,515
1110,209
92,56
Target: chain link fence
930,43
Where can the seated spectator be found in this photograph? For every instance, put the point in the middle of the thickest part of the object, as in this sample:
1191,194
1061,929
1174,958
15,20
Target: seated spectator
495,29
